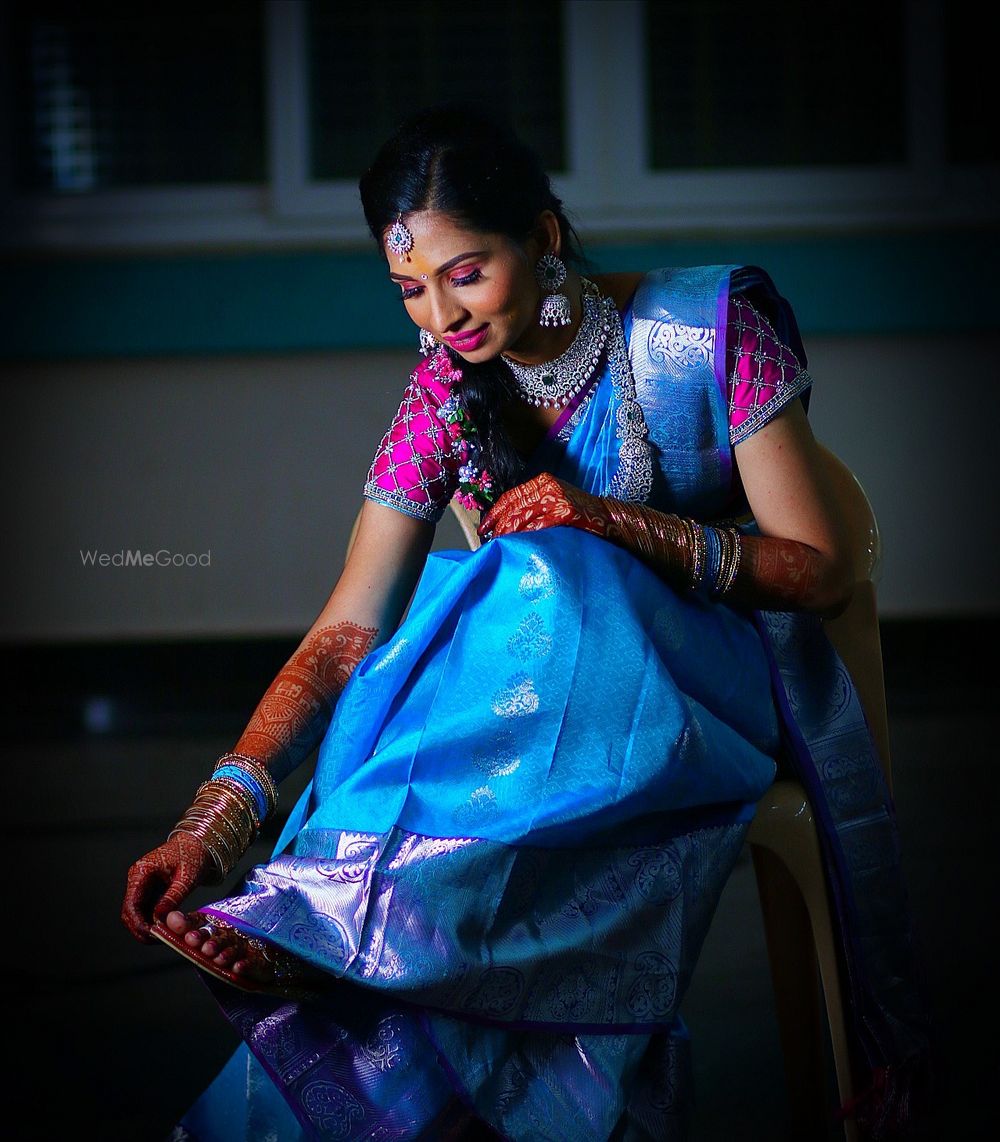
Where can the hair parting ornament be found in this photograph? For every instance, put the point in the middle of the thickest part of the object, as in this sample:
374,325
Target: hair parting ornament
399,240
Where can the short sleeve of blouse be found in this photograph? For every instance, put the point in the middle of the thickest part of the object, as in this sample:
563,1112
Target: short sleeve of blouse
762,373
415,469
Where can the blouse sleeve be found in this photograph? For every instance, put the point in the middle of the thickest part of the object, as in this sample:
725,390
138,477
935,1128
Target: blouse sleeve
415,469
763,374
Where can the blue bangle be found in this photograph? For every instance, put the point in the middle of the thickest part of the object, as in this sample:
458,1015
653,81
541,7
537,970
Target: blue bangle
713,560
250,783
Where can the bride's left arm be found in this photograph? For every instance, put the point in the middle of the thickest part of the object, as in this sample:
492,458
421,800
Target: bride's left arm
799,562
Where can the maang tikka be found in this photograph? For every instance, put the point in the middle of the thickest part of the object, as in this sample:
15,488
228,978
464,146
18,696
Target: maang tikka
399,239
550,271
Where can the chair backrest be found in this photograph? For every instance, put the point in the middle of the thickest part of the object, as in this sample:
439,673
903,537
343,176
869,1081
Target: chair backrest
855,632
468,521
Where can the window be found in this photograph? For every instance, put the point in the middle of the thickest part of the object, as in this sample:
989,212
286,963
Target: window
155,95
231,122
774,84
370,64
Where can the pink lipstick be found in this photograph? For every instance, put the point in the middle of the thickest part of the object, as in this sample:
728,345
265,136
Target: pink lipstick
468,342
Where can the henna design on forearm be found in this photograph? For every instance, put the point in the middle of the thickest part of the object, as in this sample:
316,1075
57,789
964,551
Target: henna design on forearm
779,574
293,715
773,574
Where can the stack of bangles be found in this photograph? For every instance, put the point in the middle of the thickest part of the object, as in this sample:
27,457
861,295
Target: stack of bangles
711,554
229,810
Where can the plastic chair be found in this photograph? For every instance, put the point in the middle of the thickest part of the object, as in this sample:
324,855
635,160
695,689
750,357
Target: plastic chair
786,854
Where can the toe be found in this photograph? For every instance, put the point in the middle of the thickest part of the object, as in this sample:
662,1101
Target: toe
178,922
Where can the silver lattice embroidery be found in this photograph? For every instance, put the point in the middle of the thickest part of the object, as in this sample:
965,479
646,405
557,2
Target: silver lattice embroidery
784,378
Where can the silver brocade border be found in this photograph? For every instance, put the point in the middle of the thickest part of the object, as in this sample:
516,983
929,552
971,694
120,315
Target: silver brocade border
633,477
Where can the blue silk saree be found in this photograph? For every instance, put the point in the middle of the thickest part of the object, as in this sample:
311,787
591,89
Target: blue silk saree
529,800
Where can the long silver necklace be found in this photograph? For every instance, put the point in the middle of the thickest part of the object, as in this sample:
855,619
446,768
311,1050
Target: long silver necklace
553,384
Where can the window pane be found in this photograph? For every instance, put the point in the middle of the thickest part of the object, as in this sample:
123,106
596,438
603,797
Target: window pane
372,64
972,103
153,94
775,84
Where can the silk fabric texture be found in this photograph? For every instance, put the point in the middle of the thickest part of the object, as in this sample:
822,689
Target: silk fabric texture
525,808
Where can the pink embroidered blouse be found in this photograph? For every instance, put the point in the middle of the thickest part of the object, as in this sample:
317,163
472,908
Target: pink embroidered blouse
415,468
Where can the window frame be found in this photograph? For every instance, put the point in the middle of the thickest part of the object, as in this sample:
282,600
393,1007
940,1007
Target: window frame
609,188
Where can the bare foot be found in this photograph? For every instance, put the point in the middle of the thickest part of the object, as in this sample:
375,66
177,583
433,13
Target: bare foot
213,944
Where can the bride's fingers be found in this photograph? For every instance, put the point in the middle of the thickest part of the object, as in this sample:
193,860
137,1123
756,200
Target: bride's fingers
180,886
142,888
135,922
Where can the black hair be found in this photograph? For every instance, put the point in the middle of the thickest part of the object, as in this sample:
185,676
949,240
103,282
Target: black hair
462,161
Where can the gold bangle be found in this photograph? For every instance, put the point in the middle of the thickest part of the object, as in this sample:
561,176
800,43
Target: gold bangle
245,796
731,565
221,804
203,824
221,872
205,819
257,769
240,826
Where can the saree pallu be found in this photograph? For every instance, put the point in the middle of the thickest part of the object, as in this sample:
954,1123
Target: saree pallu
520,822
524,810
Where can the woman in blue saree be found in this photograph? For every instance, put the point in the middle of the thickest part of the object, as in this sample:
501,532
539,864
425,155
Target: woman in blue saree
482,915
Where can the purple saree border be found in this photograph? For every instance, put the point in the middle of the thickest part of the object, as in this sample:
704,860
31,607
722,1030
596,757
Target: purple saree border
888,1016
459,1087
567,412
213,985
805,769
719,365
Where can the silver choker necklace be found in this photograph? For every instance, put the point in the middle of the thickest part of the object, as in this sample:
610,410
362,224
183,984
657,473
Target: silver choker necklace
553,384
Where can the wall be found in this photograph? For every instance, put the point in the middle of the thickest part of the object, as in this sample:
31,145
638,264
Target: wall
258,460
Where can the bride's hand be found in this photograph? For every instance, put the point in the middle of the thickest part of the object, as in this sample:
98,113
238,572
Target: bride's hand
160,880
543,501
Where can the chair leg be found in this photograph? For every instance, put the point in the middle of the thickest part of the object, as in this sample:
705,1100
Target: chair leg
792,957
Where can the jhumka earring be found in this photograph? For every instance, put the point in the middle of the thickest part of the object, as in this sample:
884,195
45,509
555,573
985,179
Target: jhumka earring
399,239
551,273
428,342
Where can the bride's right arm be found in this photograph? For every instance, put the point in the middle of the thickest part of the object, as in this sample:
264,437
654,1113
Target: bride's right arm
363,610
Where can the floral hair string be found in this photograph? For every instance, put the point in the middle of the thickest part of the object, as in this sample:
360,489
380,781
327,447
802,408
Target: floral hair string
475,484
